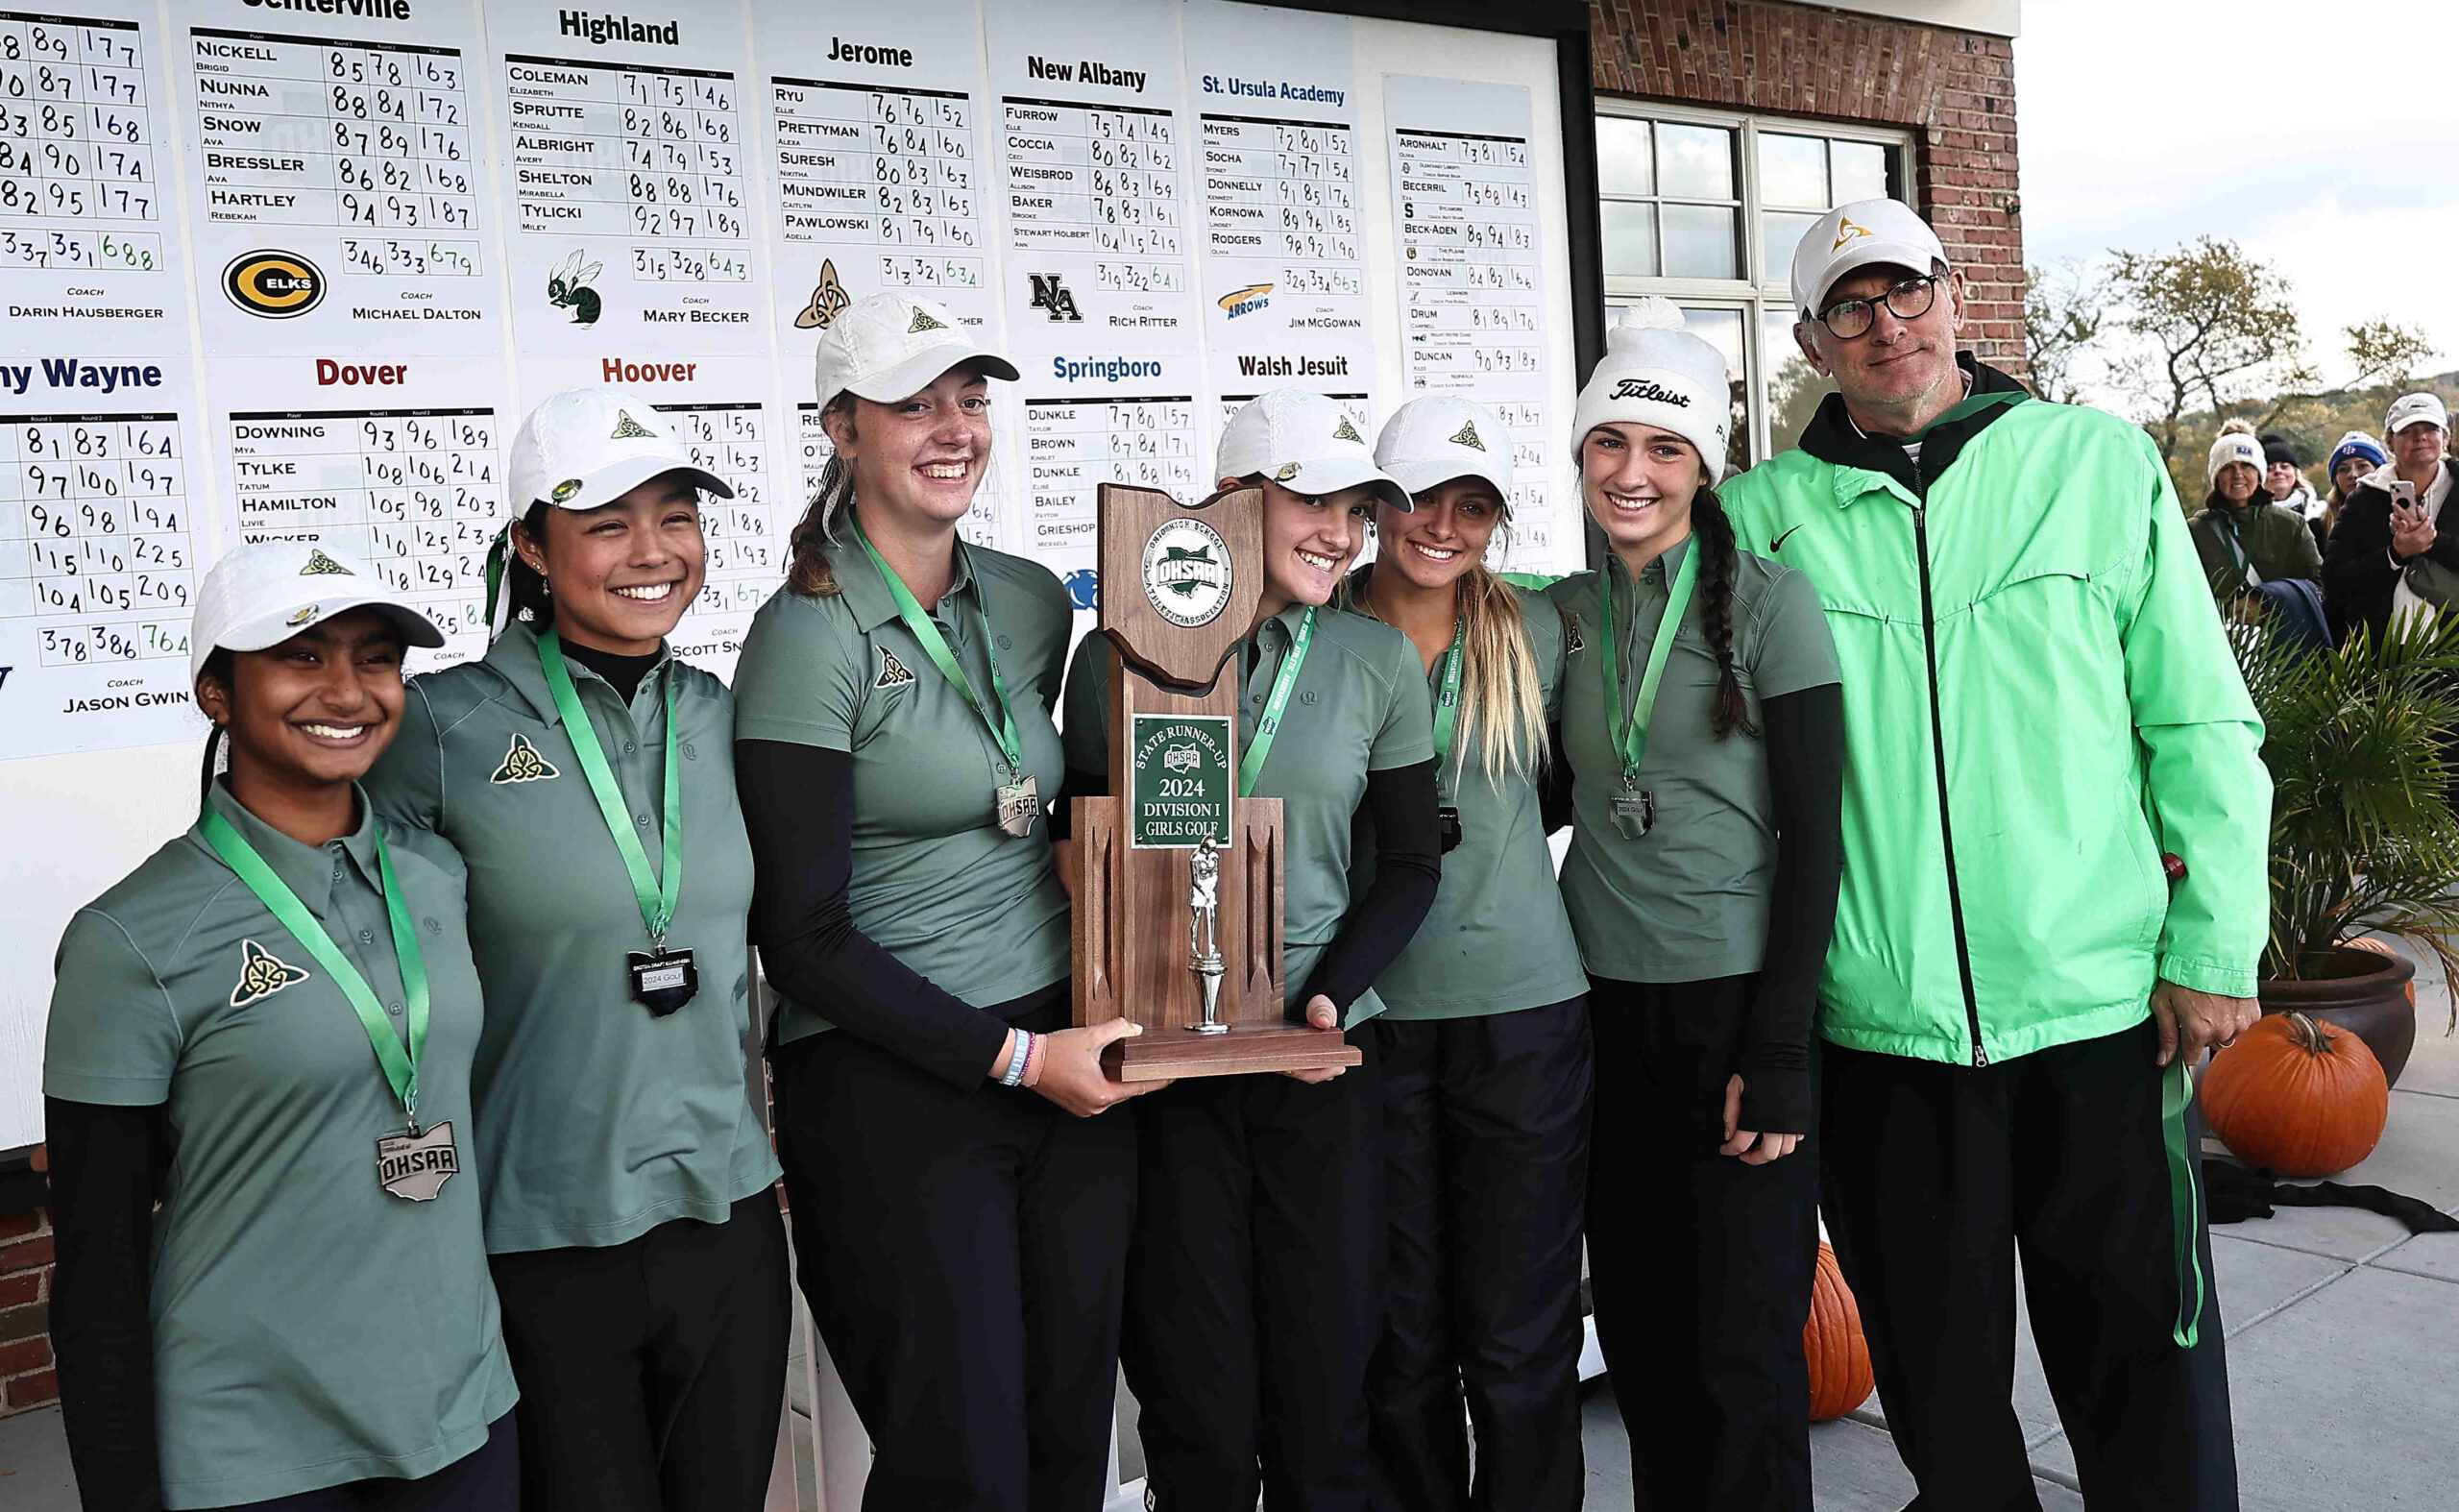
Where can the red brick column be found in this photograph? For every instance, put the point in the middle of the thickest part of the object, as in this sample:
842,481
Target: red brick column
27,1378
1955,91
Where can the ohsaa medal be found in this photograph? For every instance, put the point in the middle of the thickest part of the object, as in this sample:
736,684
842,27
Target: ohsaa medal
1633,810
522,763
662,980
1019,805
1450,819
415,1166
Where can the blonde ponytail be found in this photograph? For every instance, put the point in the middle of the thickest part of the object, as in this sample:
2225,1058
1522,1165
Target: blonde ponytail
1502,701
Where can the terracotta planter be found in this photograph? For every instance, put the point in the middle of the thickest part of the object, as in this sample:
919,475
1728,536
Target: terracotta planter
2362,991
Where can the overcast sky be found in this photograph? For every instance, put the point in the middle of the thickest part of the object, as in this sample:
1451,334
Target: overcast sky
2323,138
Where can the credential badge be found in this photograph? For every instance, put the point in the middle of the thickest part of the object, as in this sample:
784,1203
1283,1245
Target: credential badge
261,974
522,763
1186,572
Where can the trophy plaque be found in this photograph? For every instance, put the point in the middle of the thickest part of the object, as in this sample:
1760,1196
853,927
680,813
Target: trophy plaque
1178,920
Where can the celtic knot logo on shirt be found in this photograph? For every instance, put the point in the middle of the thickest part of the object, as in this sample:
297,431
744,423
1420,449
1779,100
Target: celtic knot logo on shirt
522,764
261,974
894,673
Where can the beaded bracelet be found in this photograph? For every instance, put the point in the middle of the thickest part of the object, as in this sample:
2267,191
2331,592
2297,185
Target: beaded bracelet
1016,1058
1032,1060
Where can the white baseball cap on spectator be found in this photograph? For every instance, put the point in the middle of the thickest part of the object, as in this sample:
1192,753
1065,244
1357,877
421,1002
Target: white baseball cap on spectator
2410,409
260,595
585,447
1306,443
886,346
1432,440
1655,372
1861,235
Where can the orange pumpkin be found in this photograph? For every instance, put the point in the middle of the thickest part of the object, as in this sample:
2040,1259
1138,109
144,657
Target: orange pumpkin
2296,1097
1839,1356
2384,948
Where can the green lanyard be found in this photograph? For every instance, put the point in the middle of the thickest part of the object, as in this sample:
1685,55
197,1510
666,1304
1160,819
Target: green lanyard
1631,737
1447,702
1283,682
400,1065
657,902
934,646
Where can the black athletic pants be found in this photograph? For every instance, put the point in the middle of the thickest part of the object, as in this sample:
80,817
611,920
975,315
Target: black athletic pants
1254,1295
1485,1168
486,1479
1700,1266
651,1372
965,1254
1936,1175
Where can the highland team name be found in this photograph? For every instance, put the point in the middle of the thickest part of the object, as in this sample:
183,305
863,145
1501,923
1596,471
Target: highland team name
604,29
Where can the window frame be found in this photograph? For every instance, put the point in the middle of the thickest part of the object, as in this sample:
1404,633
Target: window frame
1762,301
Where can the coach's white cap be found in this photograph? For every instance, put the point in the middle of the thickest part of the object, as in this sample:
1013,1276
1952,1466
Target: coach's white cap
261,594
1432,440
1851,238
1306,443
2409,410
588,447
883,347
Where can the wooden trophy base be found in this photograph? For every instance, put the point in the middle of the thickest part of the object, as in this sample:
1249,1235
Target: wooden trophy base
1163,1052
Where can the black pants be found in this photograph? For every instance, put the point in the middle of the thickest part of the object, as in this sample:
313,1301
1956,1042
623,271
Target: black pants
1254,1295
651,1372
1700,1266
1936,1175
486,1479
1485,1169
965,1255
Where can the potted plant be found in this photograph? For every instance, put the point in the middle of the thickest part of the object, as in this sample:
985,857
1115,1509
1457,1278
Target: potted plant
2360,742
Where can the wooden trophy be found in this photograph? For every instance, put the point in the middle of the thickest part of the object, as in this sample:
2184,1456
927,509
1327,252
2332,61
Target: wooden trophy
1178,897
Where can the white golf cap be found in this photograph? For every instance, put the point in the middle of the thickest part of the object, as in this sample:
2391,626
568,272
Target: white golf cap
883,347
2409,410
1432,440
1851,238
588,447
1306,443
260,595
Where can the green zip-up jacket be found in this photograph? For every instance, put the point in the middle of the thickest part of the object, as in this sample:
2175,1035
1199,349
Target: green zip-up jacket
2038,701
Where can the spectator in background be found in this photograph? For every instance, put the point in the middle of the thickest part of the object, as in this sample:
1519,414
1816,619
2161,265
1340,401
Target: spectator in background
2255,552
2284,479
2389,553
2356,456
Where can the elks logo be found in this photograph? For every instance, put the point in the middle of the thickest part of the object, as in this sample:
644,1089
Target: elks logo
1467,436
1642,390
261,974
1247,300
1052,295
278,285
522,763
894,673
828,301
1846,231
319,565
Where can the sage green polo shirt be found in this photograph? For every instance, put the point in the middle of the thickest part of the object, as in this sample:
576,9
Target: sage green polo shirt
1497,937
598,1120
1359,706
1688,900
309,1327
935,881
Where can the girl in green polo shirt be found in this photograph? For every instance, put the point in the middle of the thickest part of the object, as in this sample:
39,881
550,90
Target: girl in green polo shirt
960,1211
268,1027
585,773
1255,1302
1484,1033
1703,737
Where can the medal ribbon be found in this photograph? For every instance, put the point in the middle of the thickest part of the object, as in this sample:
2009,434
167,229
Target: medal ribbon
1283,683
1446,702
934,646
1630,736
400,1065
656,899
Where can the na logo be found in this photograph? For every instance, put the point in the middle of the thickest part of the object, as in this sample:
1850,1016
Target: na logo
1051,294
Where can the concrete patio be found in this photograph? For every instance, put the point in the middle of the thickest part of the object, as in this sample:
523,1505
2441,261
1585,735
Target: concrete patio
2342,1353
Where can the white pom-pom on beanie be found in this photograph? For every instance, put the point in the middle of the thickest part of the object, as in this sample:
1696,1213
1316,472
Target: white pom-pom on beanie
1656,372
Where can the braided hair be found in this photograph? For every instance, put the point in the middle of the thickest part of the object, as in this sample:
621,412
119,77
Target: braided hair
1712,533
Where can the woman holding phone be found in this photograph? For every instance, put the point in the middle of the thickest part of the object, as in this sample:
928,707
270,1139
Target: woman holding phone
1703,732
961,1209
581,770
268,1027
1256,1297
2389,543
1484,1036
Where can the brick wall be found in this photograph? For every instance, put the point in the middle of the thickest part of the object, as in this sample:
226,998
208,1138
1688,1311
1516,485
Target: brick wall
27,1378
1954,90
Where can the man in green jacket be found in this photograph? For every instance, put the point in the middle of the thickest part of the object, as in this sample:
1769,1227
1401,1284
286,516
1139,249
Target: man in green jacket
2039,703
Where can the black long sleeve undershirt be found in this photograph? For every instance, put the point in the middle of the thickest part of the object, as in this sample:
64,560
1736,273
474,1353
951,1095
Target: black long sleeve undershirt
798,804
107,1165
1402,805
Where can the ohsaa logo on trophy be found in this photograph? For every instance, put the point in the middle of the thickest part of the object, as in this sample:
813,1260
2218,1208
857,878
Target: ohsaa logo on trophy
1187,571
